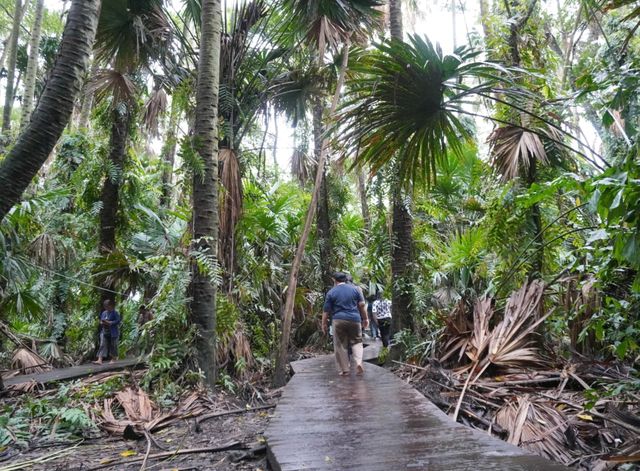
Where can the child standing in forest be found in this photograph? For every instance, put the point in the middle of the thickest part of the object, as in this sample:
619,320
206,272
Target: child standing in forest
109,332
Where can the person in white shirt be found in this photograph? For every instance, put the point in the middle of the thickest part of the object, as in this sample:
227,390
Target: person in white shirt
382,317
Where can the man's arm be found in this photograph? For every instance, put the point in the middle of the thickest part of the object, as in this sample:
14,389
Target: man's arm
325,323
362,307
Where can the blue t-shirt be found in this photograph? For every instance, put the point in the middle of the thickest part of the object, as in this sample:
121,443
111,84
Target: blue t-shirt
342,303
114,329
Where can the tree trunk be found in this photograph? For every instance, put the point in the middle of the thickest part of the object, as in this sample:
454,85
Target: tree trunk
111,187
401,263
55,105
11,66
364,203
87,99
280,375
395,19
32,65
402,226
323,224
168,157
205,188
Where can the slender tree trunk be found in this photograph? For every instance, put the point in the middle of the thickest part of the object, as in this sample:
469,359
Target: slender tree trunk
32,65
395,19
110,195
323,223
205,187
280,375
364,203
87,99
402,226
11,66
51,116
168,157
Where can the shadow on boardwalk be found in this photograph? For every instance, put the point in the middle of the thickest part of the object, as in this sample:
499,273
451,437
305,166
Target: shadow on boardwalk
377,422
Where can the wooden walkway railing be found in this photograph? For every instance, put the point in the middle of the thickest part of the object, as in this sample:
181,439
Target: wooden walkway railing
376,422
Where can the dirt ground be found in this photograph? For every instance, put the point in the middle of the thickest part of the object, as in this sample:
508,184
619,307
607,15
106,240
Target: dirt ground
118,454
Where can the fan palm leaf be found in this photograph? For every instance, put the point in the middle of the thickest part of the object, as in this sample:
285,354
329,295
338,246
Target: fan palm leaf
328,23
409,102
514,150
131,32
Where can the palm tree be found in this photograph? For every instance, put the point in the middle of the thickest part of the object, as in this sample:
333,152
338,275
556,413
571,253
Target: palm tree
324,23
55,106
32,65
205,186
18,12
402,246
130,34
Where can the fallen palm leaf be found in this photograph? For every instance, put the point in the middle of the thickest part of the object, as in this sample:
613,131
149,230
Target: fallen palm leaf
29,362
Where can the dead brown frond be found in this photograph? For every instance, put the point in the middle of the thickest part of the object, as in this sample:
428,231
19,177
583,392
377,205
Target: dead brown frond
511,342
514,150
29,362
457,333
537,426
508,344
154,108
43,250
230,204
142,414
111,83
301,165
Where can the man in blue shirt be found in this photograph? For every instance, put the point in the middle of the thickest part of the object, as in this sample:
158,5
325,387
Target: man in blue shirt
109,332
346,307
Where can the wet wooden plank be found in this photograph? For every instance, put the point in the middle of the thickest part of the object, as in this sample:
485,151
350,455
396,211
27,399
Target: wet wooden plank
79,371
376,422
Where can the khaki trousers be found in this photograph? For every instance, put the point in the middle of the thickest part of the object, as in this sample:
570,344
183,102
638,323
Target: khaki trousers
347,333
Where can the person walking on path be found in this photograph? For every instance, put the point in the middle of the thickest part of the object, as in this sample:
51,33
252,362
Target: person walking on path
345,305
382,317
375,333
109,332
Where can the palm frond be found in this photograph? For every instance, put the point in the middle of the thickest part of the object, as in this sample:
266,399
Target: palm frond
407,105
328,23
155,107
108,83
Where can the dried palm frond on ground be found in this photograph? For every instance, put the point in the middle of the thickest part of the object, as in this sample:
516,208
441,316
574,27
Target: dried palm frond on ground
29,362
143,415
510,343
550,412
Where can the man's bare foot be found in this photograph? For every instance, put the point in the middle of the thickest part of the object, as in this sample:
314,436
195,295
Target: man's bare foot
359,370
112,362
97,362
343,373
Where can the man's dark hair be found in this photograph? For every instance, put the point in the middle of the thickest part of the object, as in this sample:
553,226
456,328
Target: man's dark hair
340,277
109,302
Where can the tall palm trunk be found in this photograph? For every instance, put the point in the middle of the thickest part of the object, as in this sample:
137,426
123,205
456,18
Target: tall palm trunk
87,99
32,65
11,65
110,195
168,157
55,105
323,223
402,225
364,203
395,19
280,375
205,187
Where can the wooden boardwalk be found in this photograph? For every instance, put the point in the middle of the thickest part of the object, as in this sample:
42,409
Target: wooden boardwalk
79,371
376,422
